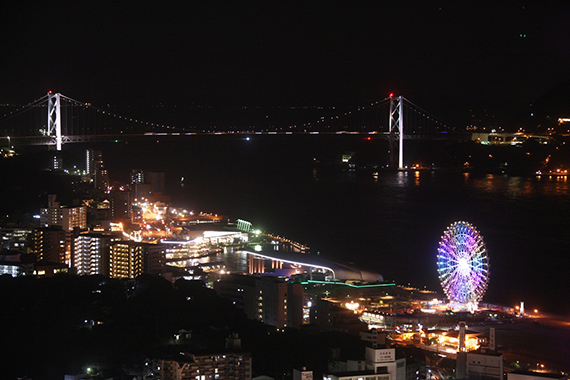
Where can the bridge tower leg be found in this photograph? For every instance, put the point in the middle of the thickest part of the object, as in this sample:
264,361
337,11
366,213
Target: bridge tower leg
397,130
54,118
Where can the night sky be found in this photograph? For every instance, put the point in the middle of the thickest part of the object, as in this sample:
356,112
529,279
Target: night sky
449,58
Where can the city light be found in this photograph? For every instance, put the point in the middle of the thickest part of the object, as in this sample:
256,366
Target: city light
352,306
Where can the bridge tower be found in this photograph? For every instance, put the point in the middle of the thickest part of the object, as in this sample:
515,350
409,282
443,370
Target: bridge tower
54,118
396,124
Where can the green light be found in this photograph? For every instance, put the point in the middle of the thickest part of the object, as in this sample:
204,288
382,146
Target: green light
345,284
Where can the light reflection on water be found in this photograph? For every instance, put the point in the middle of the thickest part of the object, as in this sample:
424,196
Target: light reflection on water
390,222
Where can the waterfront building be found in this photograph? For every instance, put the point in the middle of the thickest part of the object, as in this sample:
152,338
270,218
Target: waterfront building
149,185
270,300
450,339
485,365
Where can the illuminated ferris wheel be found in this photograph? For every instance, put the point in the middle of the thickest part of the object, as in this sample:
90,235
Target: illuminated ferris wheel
463,265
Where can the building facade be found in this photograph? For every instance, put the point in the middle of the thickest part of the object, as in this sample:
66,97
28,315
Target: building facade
126,259
48,244
270,300
187,366
67,218
91,253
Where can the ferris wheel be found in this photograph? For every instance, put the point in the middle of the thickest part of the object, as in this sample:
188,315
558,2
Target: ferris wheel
463,265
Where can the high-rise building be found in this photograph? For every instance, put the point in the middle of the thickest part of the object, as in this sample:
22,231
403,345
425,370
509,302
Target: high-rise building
155,259
92,156
270,300
137,176
57,163
91,253
48,244
149,185
101,178
156,181
126,259
68,218
95,168
120,204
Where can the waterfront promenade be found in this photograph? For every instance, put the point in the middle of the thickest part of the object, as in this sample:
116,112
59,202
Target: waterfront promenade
534,342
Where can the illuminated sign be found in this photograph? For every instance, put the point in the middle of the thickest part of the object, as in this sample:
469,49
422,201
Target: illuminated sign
385,355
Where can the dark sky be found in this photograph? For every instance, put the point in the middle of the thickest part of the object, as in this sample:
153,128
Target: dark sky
447,57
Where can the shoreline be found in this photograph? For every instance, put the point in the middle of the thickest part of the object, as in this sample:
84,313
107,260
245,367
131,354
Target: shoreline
534,343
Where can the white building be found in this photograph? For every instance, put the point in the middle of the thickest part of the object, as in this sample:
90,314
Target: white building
485,365
380,364
383,360
530,375
91,253
67,218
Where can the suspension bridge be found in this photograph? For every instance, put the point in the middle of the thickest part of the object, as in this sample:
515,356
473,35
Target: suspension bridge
55,120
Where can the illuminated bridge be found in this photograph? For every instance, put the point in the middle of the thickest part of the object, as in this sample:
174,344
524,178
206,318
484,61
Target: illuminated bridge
55,119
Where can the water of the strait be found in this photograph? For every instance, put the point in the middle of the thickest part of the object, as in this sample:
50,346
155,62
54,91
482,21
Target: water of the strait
392,223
